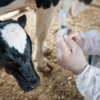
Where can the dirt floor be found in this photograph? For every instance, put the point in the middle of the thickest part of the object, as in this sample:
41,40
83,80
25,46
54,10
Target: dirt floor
60,83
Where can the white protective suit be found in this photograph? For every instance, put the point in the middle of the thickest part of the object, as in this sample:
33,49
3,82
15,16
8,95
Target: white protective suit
88,82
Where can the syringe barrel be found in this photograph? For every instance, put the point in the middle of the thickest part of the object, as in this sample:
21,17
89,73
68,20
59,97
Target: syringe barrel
62,17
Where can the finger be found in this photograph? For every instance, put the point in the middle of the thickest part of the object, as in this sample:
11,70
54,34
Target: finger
70,42
57,46
69,30
57,33
59,53
57,39
72,34
63,47
60,42
59,36
74,37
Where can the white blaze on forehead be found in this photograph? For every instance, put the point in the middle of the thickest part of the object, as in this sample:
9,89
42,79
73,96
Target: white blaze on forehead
15,36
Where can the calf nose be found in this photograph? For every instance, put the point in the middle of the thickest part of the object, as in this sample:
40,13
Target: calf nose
28,86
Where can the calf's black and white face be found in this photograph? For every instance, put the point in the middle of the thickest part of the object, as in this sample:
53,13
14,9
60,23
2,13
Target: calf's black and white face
15,53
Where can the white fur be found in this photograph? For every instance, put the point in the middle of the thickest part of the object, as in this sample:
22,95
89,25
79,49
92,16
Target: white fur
15,36
77,7
66,4
71,7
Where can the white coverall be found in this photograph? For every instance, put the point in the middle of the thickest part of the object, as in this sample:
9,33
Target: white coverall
88,82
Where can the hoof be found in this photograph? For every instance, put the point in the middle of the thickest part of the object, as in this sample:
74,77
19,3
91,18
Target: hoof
46,68
47,52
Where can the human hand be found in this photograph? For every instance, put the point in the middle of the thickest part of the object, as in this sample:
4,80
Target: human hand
75,35
71,59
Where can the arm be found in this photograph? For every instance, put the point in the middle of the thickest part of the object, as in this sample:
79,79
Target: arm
91,42
88,83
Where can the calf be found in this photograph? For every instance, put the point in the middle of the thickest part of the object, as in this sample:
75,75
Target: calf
15,53
45,11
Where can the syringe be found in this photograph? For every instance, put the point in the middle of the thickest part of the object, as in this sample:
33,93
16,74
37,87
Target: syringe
62,17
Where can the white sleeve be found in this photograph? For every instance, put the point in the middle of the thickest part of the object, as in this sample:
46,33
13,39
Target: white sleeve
88,83
91,42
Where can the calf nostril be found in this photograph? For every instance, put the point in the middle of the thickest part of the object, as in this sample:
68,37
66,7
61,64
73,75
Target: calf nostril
29,88
32,87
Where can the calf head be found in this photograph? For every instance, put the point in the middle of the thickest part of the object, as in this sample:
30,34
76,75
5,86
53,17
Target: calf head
15,53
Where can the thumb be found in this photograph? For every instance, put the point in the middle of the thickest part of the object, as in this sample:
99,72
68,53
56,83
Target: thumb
69,30
70,42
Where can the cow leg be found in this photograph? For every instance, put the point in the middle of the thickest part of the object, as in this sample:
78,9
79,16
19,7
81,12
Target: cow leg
46,50
43,19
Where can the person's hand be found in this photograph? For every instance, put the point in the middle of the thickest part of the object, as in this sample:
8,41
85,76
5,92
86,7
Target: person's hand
75,36
71,59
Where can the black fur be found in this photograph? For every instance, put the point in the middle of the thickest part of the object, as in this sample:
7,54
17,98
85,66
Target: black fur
46,3
17,64
87,2
21,20
55,2
5,2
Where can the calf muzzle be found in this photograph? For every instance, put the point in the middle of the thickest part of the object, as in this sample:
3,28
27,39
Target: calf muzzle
28,86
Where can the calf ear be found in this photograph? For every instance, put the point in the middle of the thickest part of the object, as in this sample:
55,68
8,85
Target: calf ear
22,20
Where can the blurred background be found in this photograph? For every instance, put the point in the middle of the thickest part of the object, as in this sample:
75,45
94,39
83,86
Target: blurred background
60,84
